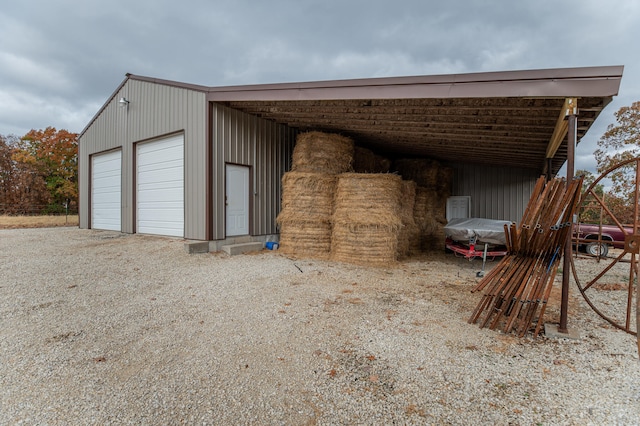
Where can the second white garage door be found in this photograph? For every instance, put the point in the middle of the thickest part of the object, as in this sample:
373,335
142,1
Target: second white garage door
160,187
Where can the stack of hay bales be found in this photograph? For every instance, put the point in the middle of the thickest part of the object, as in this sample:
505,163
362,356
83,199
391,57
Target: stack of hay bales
366,161
367,219
308,193
433,188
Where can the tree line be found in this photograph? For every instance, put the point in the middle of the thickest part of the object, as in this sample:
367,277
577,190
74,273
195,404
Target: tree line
39,172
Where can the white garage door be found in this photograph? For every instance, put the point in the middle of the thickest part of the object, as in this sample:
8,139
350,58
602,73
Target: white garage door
160,187
106,172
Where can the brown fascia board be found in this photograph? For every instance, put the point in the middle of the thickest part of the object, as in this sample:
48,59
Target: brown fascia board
557,83
195,87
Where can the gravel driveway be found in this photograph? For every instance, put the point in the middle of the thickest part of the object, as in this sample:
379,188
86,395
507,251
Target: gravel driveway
106,328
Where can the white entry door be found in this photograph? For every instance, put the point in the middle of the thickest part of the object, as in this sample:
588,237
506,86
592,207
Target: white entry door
237,200
458,207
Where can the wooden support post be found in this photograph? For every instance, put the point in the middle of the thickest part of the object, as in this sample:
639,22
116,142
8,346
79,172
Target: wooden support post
566,266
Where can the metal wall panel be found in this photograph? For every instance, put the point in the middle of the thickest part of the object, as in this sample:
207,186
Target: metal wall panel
265,147
496,192
155,110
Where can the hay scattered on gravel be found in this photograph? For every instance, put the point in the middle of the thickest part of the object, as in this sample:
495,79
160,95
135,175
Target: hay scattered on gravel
366,161
322,153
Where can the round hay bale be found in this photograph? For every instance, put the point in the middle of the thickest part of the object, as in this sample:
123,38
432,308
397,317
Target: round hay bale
307,196
366,161
370,245
306,238
368,199
322,153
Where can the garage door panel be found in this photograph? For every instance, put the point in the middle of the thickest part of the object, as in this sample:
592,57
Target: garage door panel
160,196
160,158
160,187
106,191
160,176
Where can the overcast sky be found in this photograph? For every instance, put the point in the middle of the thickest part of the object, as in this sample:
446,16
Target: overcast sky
60,60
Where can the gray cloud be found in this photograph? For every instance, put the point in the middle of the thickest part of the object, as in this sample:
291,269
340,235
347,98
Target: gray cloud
59,61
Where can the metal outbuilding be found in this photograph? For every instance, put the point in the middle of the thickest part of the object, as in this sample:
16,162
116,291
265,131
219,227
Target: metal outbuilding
205,163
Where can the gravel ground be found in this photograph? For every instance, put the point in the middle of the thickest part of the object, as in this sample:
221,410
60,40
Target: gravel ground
105,328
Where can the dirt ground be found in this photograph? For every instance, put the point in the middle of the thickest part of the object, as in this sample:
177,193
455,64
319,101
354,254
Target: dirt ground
17,222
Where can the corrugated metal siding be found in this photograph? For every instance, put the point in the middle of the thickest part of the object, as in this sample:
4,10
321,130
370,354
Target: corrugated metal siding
496,192
266,147
155,110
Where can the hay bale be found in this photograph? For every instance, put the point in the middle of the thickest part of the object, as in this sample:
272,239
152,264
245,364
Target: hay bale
371,245
368,199
366,161
322,153
433,237
409,235
422,171
429,215
366,221
307,196
445,181
306,238
305,219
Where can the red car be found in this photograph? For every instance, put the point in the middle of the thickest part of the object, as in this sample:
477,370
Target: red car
608,235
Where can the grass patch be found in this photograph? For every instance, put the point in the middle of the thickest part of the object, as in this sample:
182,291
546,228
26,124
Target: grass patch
15,222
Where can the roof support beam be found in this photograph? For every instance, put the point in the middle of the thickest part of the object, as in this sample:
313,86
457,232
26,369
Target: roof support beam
570,107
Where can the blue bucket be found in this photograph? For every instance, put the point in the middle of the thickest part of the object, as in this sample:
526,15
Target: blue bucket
271,245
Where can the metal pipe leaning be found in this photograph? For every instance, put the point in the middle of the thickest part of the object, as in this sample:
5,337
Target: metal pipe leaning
518,288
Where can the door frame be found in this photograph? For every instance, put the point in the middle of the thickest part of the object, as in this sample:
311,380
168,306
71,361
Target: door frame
90,185
250,198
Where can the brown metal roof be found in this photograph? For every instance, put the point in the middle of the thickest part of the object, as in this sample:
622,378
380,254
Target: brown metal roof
497,118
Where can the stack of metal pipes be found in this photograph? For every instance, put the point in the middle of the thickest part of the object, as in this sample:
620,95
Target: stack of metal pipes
517,289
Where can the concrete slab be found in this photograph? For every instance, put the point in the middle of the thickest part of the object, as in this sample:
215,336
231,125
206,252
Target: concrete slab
192,247
551,331
234,249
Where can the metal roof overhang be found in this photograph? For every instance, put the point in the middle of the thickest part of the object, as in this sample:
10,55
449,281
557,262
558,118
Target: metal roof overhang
512,118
